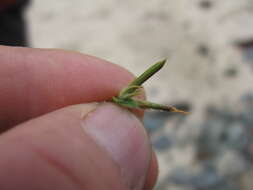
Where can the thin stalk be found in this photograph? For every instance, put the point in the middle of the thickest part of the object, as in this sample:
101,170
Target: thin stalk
150,105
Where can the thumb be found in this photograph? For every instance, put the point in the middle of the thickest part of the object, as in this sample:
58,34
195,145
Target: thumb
89,146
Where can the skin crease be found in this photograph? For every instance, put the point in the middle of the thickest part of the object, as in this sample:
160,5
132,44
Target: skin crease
36,81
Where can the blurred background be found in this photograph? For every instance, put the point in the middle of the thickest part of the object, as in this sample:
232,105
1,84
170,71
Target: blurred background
209,46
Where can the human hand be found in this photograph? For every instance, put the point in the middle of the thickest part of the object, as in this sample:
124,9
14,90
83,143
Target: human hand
54,137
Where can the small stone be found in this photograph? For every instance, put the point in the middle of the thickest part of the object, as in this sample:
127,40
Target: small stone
205,4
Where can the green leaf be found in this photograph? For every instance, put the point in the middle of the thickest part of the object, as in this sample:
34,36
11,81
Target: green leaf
128,102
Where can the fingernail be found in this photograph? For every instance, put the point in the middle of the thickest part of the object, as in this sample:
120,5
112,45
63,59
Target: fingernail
123,136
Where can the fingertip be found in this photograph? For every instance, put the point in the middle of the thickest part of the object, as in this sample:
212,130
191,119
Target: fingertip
37,81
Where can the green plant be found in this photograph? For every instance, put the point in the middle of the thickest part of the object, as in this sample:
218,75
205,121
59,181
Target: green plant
126,96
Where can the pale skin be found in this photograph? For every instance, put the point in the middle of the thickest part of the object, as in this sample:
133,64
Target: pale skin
35,154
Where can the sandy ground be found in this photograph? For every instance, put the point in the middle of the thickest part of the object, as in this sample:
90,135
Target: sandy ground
198,38
135,34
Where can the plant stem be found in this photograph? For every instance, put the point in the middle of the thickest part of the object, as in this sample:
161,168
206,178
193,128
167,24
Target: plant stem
126,96
150,105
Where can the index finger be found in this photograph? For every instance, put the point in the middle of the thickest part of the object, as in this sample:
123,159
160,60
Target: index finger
35,81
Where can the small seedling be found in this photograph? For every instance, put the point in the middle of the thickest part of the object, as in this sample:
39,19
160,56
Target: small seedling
126,96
